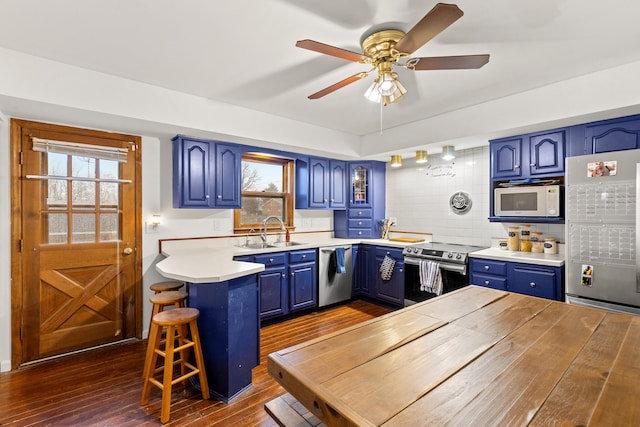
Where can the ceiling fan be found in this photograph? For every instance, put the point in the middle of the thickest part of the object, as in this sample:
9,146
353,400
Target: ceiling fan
383,49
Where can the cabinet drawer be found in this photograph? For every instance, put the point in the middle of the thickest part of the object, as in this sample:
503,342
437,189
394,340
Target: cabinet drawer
244,258
532,281
271,259
392,252
307,255
360,213
495,282
360,232
360,223
479,265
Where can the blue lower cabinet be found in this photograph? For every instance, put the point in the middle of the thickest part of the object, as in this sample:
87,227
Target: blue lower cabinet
303,288
529,279
273,287
230,332
392,290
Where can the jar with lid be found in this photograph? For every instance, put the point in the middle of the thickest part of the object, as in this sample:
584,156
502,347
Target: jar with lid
525,237
503,244
537,244
512,241
550,246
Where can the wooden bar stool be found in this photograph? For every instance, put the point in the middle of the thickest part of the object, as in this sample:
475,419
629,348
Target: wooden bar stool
160,301
176,322
166,286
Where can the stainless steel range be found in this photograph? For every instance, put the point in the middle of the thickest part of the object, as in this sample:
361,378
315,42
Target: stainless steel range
452,259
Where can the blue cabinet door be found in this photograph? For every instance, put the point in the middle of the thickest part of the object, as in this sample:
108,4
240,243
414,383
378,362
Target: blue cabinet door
318,183
272,284
546,153
337,184
303,287
506,158
613,135
535,280
192,167
228,176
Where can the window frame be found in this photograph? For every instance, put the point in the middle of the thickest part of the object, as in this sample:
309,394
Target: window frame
287,194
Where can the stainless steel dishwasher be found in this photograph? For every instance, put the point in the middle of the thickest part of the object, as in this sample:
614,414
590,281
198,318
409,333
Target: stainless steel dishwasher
334,287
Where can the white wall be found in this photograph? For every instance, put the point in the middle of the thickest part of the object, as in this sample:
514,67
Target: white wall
5,247
418,196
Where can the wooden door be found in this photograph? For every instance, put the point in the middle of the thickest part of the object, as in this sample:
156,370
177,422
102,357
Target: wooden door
76,228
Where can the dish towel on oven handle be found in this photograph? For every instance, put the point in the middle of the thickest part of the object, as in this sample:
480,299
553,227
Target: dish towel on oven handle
430,277
386,268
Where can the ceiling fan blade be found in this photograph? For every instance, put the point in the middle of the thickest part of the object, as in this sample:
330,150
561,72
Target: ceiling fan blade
448,62
339,85
330,50
433,23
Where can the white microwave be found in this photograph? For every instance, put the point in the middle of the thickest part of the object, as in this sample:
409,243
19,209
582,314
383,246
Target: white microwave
543,201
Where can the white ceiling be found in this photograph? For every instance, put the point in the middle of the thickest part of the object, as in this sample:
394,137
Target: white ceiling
242,52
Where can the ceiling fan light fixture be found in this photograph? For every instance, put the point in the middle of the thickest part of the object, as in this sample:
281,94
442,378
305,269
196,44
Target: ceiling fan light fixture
421,156
373,94
448,152
396,161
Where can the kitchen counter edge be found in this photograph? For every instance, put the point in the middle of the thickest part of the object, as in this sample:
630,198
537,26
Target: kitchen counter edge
553,260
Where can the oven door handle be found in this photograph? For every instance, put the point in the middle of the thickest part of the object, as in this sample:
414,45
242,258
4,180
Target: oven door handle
457,268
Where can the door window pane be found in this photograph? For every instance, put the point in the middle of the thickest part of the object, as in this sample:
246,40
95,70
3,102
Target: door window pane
83,167
109,229
57,164
55,228
84,228
109,169
83,194
56,194
109,192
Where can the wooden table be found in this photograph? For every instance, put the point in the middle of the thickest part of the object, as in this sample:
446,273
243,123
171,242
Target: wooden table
476,356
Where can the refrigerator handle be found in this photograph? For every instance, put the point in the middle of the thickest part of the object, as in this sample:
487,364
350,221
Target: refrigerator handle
637,228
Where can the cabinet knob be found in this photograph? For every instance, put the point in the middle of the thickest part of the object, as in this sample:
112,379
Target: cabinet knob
325,200
332,200
388,253
516,167
270,259
486,282
304,256
293,274
401,270
359,233
359,222
486,267
284,275
533,165
219,196
206,197
359,212
532,284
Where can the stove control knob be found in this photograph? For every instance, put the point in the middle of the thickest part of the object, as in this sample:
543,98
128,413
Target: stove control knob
459,256
450,255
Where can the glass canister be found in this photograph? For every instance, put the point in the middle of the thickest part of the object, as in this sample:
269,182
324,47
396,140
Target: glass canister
514,238
503,244
550,246
525,237
537,244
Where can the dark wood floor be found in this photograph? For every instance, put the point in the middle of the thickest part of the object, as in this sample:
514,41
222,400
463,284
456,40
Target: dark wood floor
102,387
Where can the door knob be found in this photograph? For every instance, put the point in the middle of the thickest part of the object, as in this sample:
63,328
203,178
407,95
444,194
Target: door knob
127,251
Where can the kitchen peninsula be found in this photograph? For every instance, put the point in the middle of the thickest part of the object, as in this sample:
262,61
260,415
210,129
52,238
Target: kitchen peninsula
226,292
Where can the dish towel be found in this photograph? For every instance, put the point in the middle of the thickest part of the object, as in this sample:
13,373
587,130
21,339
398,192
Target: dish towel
386,268
430,277
340,267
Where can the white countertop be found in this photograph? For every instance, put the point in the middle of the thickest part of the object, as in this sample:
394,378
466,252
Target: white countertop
197,263
555,260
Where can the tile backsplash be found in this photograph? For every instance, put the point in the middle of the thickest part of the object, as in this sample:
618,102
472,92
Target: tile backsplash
419,197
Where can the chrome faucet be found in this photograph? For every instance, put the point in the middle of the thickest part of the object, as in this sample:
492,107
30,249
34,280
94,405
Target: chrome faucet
263,233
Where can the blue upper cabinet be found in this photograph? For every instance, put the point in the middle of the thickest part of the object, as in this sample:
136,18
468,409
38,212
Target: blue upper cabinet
546,153
320,183
506,158
531,155
228,176
613,135
206,174
193,162
337,184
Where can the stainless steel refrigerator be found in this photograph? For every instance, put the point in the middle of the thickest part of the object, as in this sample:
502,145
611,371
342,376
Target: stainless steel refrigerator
602,265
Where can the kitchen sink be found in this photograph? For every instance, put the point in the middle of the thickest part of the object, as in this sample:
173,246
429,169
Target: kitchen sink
257,246
285,244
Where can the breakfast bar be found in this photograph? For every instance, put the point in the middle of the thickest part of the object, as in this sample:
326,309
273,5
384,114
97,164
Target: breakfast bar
476,356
